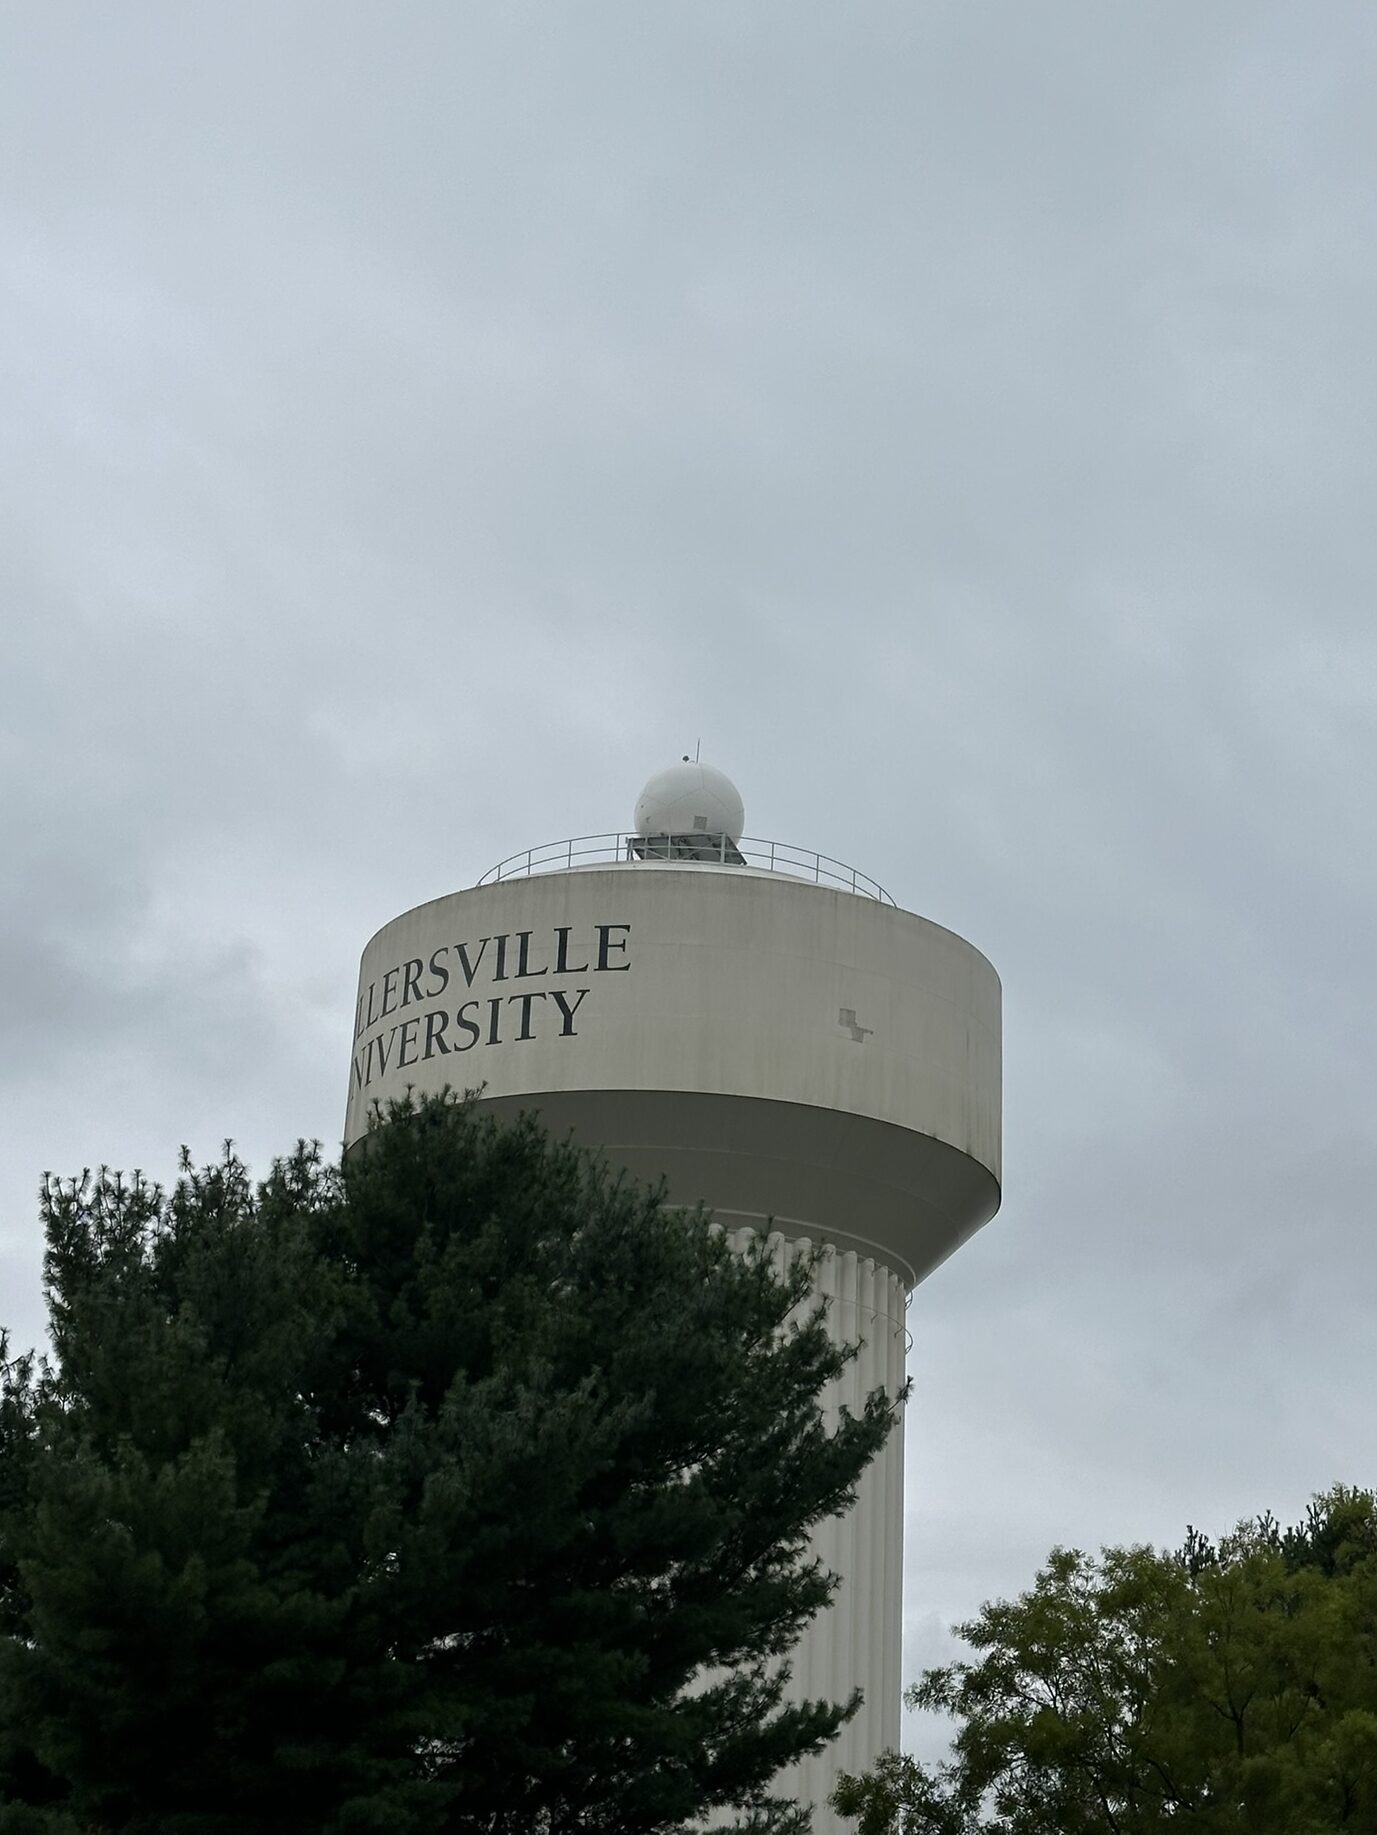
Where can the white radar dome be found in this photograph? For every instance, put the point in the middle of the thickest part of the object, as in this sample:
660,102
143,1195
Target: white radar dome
690,799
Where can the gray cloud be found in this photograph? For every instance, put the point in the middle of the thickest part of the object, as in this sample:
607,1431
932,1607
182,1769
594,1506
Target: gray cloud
419,426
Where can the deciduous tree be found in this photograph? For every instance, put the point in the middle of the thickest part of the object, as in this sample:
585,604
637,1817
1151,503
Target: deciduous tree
1228,1688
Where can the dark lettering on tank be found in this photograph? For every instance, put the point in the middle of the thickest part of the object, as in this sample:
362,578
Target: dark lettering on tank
523,944
436,1023
525,999
605,944
471,968
562,953
566,1030
408,1030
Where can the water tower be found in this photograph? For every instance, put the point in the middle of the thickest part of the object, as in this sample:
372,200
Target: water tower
763,1027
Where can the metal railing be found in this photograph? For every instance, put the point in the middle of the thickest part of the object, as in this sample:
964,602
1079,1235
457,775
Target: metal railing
631,850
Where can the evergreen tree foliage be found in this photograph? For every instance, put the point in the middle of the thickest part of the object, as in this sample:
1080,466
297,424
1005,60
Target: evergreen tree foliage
1229,1689
458,1488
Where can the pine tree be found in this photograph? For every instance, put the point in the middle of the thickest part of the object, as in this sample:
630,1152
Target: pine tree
458,1488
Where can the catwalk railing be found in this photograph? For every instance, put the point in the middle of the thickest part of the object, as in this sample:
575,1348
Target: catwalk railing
688,850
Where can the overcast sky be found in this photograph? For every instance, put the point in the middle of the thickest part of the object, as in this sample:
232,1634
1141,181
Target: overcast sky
421,422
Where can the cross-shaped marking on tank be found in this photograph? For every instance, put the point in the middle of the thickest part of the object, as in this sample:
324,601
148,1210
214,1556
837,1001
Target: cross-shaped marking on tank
847,1017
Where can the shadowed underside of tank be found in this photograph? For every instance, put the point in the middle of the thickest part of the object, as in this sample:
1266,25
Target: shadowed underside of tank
904,1198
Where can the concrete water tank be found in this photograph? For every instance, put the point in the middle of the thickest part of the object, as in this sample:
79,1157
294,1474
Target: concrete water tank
764,1028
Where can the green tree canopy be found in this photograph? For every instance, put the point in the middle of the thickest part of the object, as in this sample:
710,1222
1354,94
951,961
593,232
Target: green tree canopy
1229,1689
458,1488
